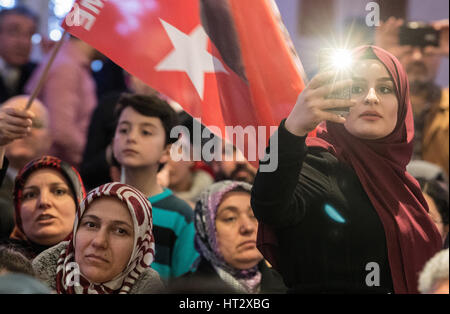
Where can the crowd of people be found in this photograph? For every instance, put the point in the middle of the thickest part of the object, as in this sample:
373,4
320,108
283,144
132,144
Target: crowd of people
92,202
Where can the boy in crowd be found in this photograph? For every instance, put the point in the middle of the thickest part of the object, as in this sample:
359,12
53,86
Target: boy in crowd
141,145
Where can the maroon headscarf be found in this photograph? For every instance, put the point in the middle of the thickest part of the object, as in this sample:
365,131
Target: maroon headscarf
412,238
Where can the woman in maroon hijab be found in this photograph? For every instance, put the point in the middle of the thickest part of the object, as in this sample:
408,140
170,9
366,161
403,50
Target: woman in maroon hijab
341,214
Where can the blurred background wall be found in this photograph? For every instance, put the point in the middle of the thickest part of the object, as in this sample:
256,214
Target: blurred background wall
312,24
335,16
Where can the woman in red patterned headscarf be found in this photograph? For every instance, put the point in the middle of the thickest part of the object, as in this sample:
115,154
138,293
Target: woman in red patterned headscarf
47,192
111,249
345,214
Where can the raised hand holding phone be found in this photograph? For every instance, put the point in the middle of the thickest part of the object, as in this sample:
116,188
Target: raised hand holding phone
312,106
340,62
327,96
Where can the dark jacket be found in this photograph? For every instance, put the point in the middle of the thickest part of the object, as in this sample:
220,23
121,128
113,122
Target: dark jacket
6,207
329,234
204,279
28,249
3,170
94,168
25,72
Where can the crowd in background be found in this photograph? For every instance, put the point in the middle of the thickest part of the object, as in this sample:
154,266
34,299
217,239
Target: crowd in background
193,222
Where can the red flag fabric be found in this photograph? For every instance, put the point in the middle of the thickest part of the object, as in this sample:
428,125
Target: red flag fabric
227,62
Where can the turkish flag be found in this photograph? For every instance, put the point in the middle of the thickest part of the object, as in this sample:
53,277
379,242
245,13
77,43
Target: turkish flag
228,62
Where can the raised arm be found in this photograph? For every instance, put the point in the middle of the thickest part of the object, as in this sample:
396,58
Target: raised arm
273,195
15,123
277,199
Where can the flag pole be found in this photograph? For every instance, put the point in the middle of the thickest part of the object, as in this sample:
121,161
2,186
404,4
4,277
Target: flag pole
45,73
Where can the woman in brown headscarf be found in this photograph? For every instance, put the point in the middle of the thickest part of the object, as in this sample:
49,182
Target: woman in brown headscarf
341,214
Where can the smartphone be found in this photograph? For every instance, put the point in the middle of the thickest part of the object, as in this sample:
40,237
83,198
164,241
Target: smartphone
418,34
326,64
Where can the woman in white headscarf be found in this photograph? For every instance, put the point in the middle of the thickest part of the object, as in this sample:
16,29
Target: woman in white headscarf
111,249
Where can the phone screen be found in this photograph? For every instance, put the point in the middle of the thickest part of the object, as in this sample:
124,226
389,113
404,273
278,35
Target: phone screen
326,63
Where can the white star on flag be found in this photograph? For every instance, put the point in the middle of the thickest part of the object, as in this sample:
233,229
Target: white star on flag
190,56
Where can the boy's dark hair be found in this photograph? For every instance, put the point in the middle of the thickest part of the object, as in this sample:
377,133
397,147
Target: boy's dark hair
20,10
150,106
14,261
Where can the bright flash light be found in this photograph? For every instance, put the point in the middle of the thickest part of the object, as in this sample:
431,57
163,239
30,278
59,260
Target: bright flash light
62,7
8,4
55,34
341,59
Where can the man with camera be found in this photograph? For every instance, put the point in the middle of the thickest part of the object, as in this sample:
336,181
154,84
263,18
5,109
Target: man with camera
420,48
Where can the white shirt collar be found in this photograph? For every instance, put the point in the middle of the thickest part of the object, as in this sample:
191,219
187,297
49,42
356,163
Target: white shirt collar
12,173
2,66
10,74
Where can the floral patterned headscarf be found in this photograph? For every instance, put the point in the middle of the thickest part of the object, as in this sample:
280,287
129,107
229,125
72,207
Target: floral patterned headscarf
206,237
144,245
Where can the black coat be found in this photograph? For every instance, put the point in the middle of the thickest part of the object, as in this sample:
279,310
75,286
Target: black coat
25,73
28,249
3,170
329,234
94,168
206,280
6,202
